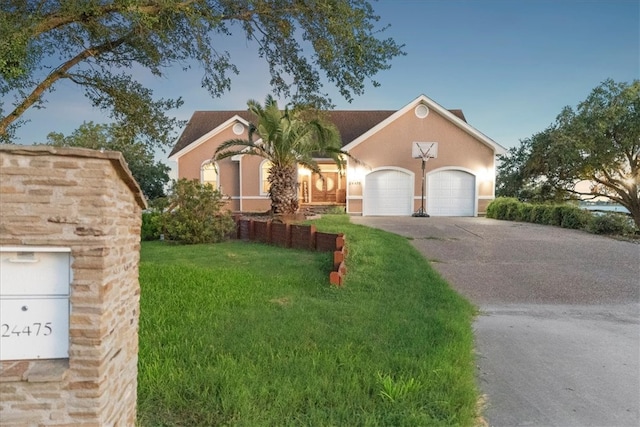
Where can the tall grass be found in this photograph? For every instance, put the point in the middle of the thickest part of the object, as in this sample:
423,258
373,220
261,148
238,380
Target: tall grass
251,335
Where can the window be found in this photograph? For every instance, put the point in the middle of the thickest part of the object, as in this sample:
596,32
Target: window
264,177
209,174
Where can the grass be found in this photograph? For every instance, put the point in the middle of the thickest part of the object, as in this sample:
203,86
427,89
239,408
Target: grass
244,334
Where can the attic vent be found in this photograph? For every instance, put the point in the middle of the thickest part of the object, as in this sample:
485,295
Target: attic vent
238,128
422,111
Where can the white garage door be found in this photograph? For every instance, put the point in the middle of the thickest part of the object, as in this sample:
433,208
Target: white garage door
451,193
388,192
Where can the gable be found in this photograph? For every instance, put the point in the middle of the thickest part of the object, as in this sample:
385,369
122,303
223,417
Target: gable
203,125
455,117
392,144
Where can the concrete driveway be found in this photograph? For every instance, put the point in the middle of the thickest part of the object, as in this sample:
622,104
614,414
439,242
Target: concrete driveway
558,337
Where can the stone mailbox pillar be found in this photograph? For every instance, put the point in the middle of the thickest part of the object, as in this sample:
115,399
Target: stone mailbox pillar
69,293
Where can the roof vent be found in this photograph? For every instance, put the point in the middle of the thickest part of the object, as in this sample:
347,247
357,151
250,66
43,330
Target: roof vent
422,111
238,128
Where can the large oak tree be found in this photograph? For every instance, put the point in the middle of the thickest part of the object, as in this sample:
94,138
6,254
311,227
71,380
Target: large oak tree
95,44
590,151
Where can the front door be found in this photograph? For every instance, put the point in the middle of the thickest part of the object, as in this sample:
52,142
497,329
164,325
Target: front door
323,189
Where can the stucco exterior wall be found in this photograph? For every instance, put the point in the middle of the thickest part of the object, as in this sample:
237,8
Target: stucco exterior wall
253,198
190,165
87,201
392,146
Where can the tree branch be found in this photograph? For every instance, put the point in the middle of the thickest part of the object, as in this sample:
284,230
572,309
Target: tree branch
57,20
56,75
593,193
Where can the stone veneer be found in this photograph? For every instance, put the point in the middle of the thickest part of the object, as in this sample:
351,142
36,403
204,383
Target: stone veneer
87,201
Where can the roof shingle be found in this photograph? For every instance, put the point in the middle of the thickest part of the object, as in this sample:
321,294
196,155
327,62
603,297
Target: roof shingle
350,123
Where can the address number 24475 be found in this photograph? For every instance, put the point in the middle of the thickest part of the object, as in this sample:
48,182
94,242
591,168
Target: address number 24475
36,329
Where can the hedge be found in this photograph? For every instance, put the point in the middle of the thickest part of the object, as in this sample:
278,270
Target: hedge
560,215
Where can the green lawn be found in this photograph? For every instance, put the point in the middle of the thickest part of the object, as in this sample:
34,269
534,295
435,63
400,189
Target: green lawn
246,334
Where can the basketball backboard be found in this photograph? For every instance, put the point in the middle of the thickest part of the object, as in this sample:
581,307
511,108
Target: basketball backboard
424,150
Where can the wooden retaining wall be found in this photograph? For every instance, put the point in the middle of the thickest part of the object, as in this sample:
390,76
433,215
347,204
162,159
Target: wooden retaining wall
297,237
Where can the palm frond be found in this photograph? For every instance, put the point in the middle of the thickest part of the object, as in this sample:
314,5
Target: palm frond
234,147
288,139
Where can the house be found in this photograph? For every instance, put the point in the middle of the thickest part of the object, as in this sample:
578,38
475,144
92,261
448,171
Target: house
459,181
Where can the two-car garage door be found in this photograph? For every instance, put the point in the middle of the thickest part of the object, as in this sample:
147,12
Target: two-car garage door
389,192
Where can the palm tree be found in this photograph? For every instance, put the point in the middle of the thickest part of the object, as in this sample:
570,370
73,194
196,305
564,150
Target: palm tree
287,140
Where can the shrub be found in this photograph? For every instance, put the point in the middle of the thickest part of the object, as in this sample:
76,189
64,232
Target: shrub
151,227
195,214
537,215
491,208
503,208
512,210
611,223
524,211
336,210
552,215
564,215
575,217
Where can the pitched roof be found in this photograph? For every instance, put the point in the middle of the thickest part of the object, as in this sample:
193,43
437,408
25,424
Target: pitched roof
350,123
202,122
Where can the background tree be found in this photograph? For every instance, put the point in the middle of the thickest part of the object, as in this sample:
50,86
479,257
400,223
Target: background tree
511,180
287,139
152,176
592,151
95,43
515,179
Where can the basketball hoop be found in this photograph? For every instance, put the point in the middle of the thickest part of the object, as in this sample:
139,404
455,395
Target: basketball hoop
423,151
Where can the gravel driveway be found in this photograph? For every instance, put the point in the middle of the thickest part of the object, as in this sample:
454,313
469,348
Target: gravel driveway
558,337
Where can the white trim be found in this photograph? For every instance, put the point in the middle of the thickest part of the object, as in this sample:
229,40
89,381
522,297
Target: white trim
240,184
432,105
355,197
216,168
396,168
261,178
207,136
453,168
486,197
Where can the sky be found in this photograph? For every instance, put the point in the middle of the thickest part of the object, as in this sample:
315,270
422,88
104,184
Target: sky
510,65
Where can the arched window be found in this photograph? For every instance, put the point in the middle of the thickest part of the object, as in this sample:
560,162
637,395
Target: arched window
264,177
209,174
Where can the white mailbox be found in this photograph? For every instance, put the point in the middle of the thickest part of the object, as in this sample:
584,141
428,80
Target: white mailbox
34,302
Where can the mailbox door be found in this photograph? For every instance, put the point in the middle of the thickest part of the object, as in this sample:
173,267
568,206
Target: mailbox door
34,328
27,271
